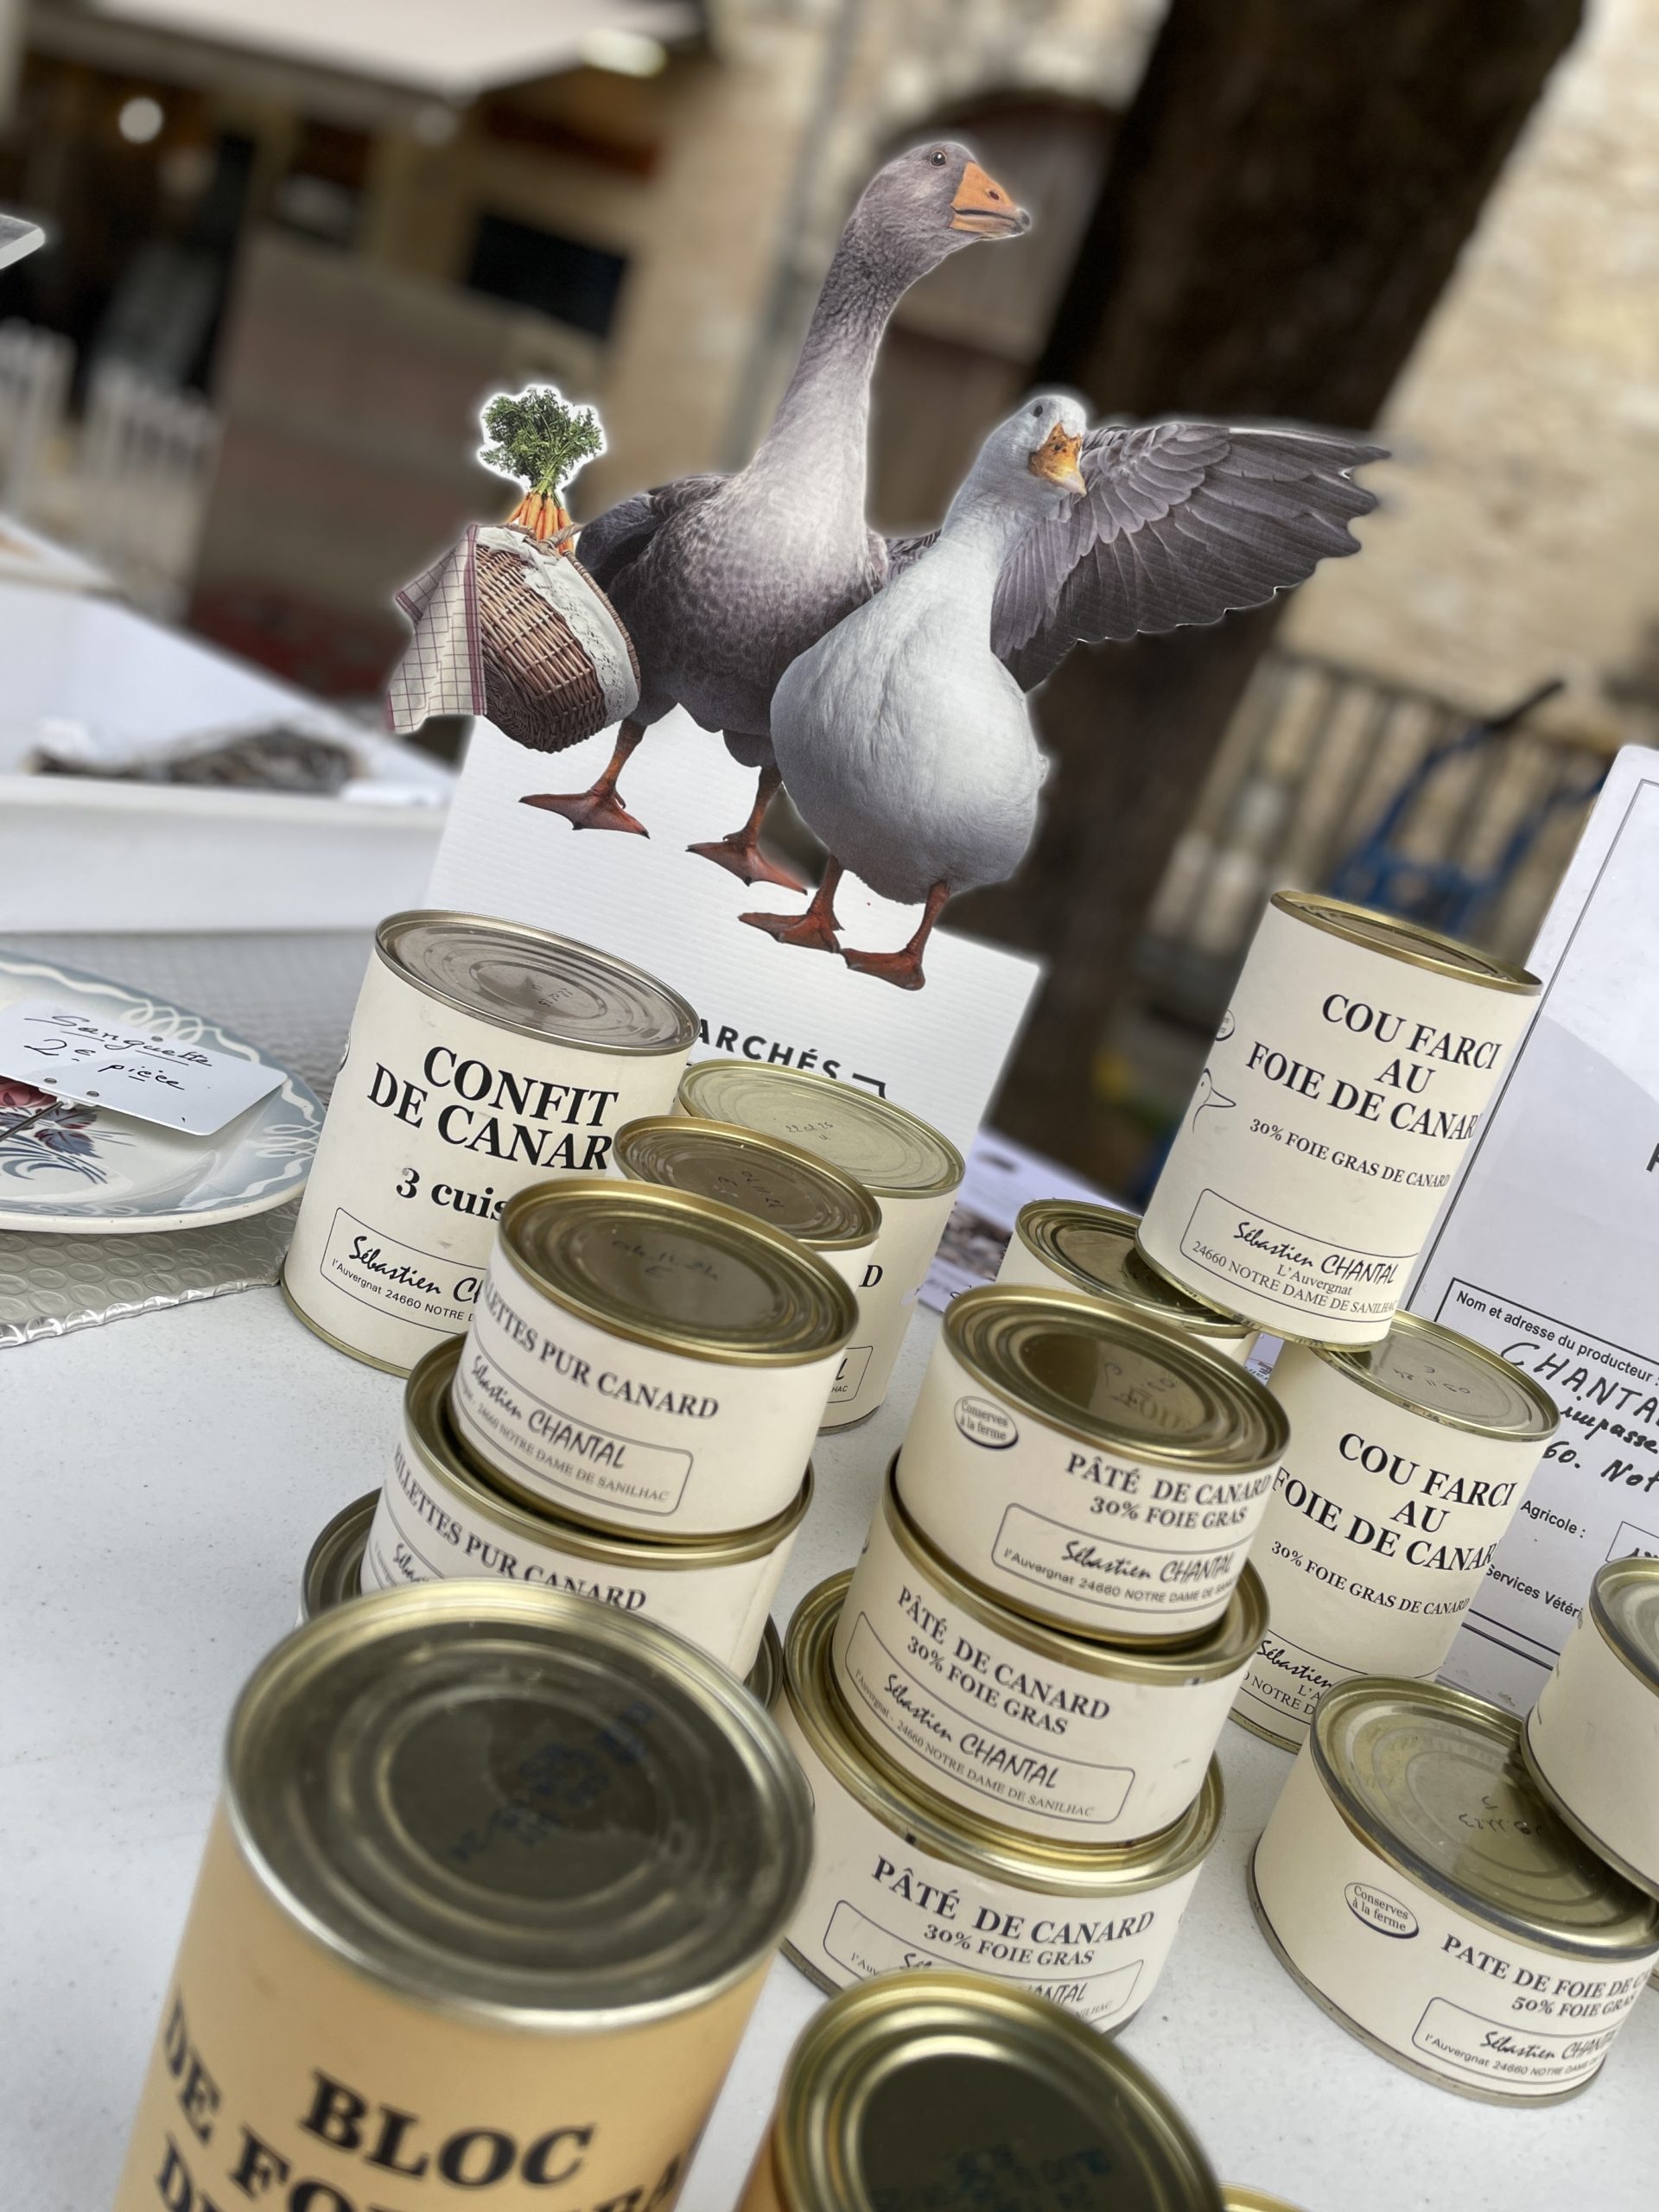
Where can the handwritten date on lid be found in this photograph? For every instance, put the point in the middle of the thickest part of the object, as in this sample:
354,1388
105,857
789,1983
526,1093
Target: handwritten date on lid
147,1074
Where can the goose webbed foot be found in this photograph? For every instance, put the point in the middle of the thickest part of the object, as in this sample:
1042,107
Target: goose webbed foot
600,807
817,930
590,810
902,969
740,855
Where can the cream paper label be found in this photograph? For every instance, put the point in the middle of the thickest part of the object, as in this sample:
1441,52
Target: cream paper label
1339,1096
1053,1750
1103,1544
887,1287
1594,1733
600,1426
283,2079
1484,2011
425,1531
435,1120
875,1905
1380,1528
850,1261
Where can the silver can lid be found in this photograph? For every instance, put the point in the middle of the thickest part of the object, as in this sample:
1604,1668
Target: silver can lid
1094,1246
679,1274
777,1183
535,984
1399,939
1130,1388
894,1153
1434,1780
513,1804
1447,1377
939,2090
1624,1605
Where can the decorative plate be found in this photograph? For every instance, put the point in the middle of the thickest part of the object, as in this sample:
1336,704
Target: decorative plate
80,1168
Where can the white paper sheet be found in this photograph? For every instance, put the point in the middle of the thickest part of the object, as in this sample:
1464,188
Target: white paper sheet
938,1050
65,1050
1549,1249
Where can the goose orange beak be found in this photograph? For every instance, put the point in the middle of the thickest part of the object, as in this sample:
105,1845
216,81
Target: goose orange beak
1057,458
983,209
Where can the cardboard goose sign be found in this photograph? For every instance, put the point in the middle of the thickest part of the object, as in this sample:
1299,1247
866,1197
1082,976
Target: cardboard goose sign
773,638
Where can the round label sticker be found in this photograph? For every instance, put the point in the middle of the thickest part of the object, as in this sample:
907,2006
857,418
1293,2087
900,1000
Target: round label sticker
984,1422
1380,1911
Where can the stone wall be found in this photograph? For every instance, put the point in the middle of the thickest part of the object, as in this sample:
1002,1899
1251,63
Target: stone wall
1518,539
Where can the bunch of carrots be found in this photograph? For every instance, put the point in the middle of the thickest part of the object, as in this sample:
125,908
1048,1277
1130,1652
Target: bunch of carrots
535,437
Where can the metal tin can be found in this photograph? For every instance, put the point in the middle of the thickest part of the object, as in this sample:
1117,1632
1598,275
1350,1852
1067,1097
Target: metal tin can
640,1359
488,1862
482,1056
1346,1081
1405,1463
943,2089
438,1517
899,1879
1234,2199
334,1570
830,1213
1089,1469
1417,1887
1030,1728
908,1166
1591,1741
1064,1244
334,1565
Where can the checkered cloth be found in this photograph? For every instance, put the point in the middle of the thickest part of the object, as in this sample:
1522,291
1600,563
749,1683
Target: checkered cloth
442,670
446,668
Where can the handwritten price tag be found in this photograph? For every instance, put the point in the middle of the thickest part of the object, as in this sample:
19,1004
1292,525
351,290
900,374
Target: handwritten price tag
69,1054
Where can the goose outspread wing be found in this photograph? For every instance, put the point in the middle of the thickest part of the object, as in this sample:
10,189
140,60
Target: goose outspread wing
1182,523
614,540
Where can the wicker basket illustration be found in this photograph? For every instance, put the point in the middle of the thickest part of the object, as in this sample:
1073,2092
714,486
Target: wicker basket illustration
553,671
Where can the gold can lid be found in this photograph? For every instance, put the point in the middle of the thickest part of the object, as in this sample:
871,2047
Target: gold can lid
1234,2199
679,1274
1434,1780
1624,1605
334,1565
1409,941
777,1183
1136,1389
949,1832
946,2089
1447,1377
519,1805
535,984
1094,1246
430,1428
1217,1650
893,1153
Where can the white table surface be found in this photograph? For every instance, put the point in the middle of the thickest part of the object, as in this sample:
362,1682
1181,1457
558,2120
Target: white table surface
162,1479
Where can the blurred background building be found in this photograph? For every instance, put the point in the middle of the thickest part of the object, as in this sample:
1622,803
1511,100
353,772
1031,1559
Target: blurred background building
295,242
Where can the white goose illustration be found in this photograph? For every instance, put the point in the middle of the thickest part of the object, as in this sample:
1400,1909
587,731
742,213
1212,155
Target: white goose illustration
902,739
903,735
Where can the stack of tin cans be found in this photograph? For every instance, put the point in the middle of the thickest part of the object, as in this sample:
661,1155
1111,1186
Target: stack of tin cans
910,1170
1008,1710
630,1416
1413,1877
1348,1078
